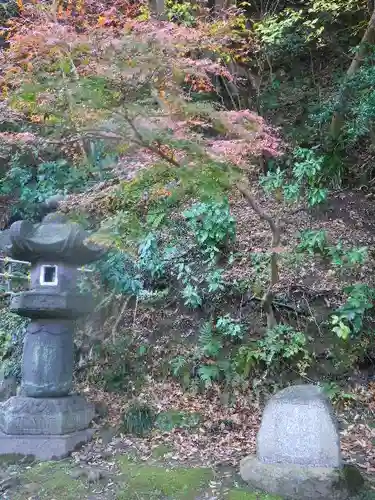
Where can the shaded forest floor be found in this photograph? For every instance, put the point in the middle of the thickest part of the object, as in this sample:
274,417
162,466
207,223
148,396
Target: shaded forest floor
183,464
309,285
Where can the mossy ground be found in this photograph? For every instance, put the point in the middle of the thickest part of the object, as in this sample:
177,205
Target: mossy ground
54,480
132,480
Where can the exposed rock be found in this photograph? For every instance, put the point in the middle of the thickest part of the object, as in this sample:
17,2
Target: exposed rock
298,449
299,427
94,475
31,488
9,482
301,483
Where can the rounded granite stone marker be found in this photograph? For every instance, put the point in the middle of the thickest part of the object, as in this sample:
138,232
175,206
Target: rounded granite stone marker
299,427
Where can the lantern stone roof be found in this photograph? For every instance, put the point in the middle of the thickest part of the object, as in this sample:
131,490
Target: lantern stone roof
55,239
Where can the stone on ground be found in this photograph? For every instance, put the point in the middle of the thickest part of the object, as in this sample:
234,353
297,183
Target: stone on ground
299,427
298,449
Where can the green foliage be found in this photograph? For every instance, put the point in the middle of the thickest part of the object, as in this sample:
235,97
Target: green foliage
215,281
177,365
122,364
355,100
210,361
150,259
306,181
229,327
138,420
209,373
294,32
213,226
348,320
34,185
281,32
191,296
313,242
8,9
146,203
354,257
119,272
209,344
280,346
316,243
181,12
12,332
336,394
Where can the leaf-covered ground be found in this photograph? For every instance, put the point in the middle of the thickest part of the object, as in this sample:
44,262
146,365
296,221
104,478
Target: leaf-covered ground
225,434
312,286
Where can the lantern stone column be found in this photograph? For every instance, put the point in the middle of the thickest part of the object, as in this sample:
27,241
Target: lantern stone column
45,420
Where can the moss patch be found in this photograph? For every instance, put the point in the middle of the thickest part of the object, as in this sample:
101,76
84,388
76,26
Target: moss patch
151,482
247,495
161,450
54,480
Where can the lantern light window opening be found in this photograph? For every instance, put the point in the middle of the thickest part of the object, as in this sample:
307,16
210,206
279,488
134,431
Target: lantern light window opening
48,275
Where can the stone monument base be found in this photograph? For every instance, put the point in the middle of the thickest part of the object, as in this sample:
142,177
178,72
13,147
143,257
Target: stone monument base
43,447
300,482
45,416
45,428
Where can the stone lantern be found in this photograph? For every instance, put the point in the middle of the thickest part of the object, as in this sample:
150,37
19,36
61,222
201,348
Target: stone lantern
45,420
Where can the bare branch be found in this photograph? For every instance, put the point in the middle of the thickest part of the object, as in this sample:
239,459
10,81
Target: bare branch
268,297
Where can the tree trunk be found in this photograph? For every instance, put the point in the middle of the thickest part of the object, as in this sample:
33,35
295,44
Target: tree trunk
367,39
221,5
157,7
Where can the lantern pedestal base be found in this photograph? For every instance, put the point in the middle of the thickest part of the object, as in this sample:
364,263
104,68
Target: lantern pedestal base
45,416
45,428
41,447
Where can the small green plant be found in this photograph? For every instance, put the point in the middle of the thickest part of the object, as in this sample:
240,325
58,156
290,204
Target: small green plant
150,259
178,365
215,281
120,273
306,179
339,327
336,394
261,267
181,12
138,420
209,373
351,258
316,243
349,318
229,327
208,362
191,295
280,345
213,226
273,180
209,344
313,242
